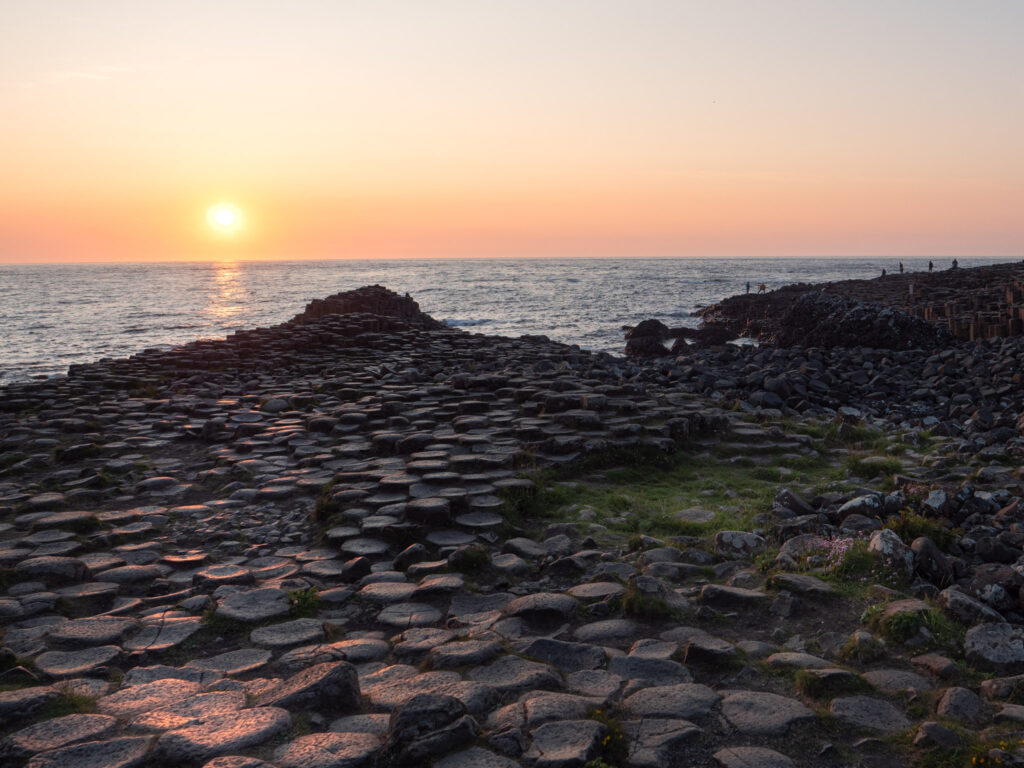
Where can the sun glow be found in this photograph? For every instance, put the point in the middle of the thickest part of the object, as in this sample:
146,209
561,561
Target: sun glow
224,217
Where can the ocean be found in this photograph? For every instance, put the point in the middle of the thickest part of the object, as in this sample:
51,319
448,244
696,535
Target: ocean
54,315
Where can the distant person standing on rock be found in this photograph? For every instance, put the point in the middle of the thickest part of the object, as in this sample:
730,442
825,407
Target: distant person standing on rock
762,288
901,267
883,271
955,264
930,266
748,286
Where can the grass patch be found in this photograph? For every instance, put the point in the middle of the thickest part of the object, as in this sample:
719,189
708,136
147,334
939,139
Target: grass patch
305,603
910,526
645,499
220,626
524,506
971,752
641,606
816,687
839,435
302,725
900,627
871,467
472,559
857,563
325,505
67,703
614,744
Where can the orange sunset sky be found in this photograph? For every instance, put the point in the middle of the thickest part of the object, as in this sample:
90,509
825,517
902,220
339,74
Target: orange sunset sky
528,128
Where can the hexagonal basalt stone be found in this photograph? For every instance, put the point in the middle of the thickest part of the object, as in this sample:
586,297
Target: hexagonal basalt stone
687,700
869,712
99,630
22,702
222,735
462,654
393,686
158,672
74,663
213,576
447,538
329,687
612,632
189,711
565,743
344,750
163,633
722,596
48,537
568,657
90,597
129,752
51,570
439,584
134,574
414,644
542,605
334,568
254,605
136,699
288,634
403,615
475,757
57,733
428,511
364,547
597,590
752,757
234,662
387,591
763,714
479,520
513,675
74,519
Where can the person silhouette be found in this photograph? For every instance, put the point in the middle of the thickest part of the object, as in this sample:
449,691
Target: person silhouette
901,267
930,266
883,271
955,264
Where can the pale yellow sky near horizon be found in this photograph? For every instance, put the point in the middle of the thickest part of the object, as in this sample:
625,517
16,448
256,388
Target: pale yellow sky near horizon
566,128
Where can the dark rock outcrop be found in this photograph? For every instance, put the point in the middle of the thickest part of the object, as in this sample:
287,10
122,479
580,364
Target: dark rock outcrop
372,300
817,319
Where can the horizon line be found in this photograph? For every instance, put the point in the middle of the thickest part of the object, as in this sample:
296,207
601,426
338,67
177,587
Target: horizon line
271,259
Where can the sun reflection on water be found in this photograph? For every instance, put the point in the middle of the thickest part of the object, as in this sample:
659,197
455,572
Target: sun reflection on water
227,295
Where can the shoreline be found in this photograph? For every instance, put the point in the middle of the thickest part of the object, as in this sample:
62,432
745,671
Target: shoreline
190,302
286,544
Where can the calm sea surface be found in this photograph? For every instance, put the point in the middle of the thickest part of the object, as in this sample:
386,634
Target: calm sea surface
54,315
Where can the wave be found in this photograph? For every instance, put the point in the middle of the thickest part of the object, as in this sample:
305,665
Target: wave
464,323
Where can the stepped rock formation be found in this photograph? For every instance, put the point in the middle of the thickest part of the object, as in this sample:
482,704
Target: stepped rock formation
372,300
326,543
817,319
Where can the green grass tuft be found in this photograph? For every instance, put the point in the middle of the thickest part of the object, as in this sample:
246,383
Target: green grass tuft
910,526
305,603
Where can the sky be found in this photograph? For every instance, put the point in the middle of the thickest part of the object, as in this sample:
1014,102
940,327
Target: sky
338,129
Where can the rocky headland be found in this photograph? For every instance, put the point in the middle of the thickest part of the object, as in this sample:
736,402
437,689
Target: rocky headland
362,538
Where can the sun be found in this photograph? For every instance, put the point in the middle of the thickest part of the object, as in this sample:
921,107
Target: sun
224,217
